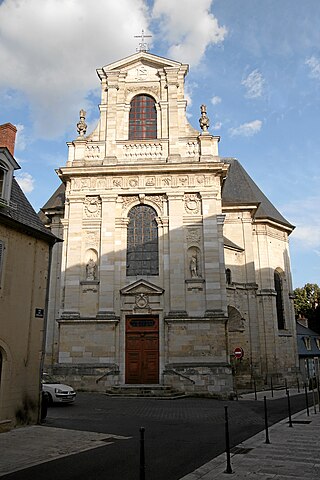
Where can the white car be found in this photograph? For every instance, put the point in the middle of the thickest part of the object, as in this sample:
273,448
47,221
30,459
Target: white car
57,392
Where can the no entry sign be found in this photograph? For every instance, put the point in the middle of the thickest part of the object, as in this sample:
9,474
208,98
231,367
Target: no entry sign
238,352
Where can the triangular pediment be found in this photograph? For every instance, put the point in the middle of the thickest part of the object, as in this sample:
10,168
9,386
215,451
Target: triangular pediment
144,58
141,286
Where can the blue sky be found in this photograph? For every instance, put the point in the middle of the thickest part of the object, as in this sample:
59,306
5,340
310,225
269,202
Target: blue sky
254,63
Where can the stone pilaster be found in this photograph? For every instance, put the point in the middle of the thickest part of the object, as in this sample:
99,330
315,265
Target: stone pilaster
213,263
177,253
107,255
73,267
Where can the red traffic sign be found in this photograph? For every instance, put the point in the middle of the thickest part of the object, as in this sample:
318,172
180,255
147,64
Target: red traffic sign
238,352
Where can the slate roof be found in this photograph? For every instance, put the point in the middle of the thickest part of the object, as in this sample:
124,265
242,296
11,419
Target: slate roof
56,200
240,189
302,349
20,215
232,245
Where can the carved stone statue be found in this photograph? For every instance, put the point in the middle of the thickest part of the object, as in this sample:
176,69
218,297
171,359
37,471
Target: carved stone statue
91,268
204,119
81,125
194,266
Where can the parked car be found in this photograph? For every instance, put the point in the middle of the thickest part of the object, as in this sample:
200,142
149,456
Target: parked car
57,392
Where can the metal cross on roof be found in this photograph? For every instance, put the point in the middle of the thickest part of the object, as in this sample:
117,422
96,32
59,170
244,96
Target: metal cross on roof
143,46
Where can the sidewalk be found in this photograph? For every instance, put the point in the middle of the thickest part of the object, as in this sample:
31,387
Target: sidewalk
272,395
27,446
293,453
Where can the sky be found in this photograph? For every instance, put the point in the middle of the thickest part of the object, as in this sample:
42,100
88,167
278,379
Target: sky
254,63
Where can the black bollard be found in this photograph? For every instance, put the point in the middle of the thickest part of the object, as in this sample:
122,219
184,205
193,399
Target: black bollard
313,397
266,419
255,390
298,385
307,402
318,391
286,385
142,457
289,409
229,468
271,382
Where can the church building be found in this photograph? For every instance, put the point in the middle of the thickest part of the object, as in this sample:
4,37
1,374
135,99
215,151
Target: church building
174,268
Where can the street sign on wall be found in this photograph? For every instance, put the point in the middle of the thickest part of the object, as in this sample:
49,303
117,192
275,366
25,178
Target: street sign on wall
238,352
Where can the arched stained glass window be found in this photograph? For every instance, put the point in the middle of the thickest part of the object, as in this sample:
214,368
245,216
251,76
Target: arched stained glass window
142,118
142,241
279,300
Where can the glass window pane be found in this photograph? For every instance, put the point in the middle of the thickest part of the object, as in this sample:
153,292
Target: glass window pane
142,241
143,115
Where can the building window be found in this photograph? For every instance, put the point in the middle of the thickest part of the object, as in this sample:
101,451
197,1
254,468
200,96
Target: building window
142,118
279,300
228,276
307,342
142,241
2,181
318,343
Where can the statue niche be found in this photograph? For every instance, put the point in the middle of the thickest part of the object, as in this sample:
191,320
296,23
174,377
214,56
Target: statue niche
91,265
194,263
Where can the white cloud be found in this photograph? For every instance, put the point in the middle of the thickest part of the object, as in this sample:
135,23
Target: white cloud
51,56
21,140
189,26
254,84
26,182
217,126
189,88
314,65
304,213
246,129
308,236
215,100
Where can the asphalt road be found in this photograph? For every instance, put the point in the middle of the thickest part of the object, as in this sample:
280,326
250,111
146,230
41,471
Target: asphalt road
180,435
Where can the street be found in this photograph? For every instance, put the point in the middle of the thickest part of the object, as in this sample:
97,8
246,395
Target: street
180,435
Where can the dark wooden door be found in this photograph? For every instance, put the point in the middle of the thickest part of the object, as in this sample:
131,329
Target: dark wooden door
142,350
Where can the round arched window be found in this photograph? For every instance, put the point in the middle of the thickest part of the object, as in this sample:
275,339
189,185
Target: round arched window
142,241
142,118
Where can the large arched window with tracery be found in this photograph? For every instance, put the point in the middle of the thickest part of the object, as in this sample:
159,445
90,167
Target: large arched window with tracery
142,118
142,241
279,300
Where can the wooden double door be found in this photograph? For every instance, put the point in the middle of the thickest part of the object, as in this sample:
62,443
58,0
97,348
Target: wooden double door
142,350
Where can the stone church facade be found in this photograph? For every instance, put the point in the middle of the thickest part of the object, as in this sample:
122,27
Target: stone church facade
171,255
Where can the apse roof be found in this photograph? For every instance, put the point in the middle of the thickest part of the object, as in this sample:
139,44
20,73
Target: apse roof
240,189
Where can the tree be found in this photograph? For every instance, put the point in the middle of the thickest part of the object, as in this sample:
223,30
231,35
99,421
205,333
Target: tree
307,304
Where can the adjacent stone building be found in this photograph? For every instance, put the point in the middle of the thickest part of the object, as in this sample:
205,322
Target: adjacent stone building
171,256
25,246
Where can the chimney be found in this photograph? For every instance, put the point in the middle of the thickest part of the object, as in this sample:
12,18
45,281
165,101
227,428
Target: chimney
8,136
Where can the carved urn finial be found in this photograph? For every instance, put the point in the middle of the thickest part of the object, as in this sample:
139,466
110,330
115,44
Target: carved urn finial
81,125
204,119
